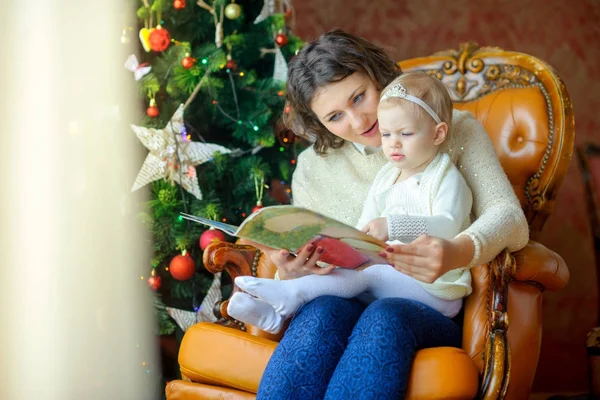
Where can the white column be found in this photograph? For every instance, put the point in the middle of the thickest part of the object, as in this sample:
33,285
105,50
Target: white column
75,319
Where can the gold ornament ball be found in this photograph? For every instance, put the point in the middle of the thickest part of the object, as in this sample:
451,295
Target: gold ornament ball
233,11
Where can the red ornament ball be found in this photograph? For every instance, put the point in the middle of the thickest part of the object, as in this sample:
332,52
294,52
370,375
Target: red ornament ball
179,4
257,207
209,236
281,39
155,282
152,111
231,64
188,62
182,267
159,39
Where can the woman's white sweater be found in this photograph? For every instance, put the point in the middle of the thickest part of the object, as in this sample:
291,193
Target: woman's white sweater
337,184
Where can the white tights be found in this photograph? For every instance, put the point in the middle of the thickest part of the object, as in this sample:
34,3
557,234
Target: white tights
269,302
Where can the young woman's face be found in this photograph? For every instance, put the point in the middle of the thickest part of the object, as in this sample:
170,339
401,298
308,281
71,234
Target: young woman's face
409,142
348,109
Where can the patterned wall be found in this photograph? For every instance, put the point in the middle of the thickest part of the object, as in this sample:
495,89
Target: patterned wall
564,33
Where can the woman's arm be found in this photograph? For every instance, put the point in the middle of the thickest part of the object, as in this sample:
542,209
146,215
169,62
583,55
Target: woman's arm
499,220
430,257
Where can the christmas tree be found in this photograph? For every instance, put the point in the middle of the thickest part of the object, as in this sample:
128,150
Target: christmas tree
212,77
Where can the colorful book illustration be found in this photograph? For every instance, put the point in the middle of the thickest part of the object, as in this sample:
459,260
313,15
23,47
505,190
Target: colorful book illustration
289,227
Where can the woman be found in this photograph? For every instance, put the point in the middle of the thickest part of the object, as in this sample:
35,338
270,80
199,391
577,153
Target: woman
336,348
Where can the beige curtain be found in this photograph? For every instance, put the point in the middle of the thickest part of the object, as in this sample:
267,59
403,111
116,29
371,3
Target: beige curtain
75,315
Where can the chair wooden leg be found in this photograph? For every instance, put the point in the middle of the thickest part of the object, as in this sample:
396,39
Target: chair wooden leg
496,375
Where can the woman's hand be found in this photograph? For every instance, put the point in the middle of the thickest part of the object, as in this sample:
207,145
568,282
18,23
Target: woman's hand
290,266
378,228
427,258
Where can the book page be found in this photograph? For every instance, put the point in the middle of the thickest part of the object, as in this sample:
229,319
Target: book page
291,228
231,230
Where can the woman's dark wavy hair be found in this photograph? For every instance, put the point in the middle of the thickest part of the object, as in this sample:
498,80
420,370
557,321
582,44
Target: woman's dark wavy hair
331,58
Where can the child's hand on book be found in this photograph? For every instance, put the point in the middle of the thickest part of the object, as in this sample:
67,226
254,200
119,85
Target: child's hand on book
378,228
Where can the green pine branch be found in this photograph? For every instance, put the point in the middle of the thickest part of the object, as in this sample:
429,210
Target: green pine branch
237,107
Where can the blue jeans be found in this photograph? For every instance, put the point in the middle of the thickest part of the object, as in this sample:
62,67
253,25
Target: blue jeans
336,349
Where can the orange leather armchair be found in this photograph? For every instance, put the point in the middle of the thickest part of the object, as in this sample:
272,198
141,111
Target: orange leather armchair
526,110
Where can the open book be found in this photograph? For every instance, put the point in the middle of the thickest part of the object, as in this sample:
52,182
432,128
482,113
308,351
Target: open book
289,227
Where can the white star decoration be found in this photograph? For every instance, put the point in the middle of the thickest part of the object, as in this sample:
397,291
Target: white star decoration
171,155
271,7
185,319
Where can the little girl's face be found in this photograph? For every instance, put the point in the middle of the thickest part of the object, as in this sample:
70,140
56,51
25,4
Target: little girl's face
409,142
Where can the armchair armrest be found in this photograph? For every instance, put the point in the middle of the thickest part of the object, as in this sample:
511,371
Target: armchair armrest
533,265
538,264
238,259
204,358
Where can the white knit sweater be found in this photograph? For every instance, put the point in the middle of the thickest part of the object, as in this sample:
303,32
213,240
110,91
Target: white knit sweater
436,202
336,185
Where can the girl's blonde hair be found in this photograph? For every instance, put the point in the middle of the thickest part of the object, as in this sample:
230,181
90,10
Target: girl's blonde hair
427,88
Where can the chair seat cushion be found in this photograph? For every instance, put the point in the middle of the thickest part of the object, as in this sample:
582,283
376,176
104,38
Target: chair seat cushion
224,357
182,390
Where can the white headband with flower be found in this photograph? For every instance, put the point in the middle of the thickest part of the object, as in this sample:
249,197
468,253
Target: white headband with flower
400,92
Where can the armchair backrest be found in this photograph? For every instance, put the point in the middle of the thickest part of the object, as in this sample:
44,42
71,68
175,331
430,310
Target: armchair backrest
525,108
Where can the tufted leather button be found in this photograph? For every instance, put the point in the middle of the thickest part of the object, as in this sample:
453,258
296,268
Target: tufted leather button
510,117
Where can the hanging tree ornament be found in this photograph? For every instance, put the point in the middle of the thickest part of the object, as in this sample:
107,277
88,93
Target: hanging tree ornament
139,70
182,267
152,110
280,70
231,63
170,156
179,4
257,207
145,38
259,187
218,20
159,39
267,10
188,61
144,34
233,11
209,236
155,281
185,319
281,39
271,7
